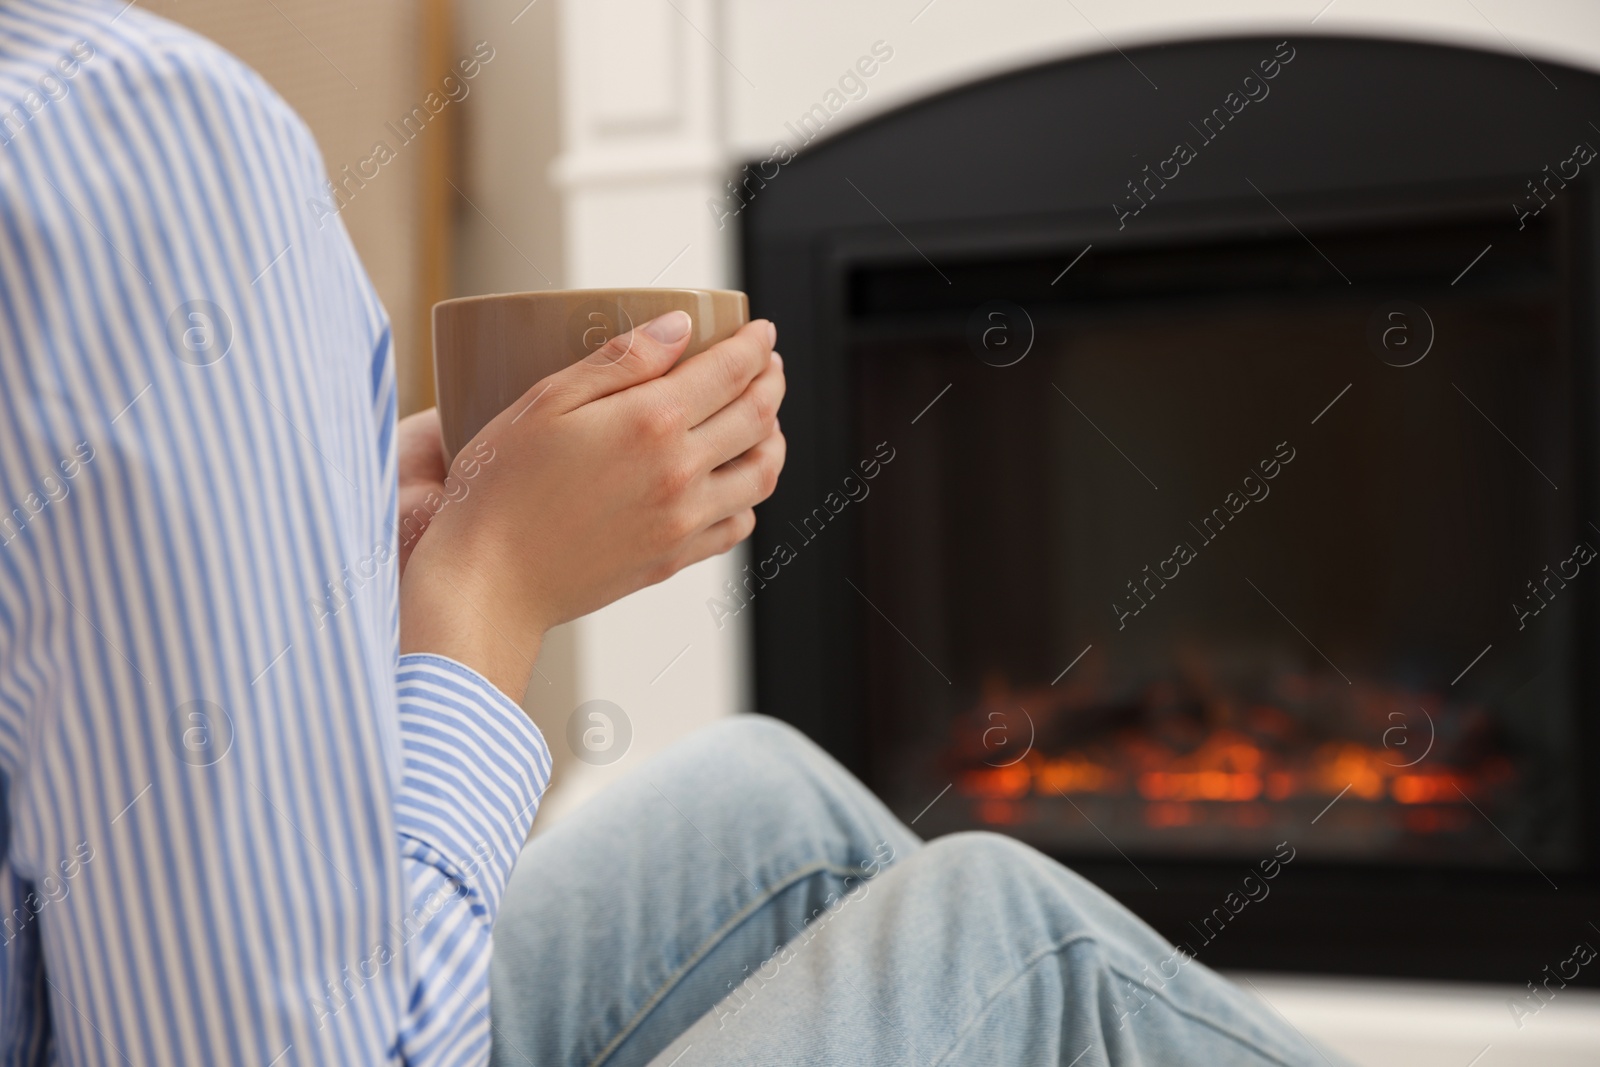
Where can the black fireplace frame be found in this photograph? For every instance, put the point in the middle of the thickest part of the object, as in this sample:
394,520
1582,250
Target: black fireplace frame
942,180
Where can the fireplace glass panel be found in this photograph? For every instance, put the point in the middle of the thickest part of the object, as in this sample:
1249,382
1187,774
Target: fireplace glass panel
1202,571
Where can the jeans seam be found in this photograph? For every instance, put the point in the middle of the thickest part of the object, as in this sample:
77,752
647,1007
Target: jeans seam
1062,946
989,1002
1210,1024
715,938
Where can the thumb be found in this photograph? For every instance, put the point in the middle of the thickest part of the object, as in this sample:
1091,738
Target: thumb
626,360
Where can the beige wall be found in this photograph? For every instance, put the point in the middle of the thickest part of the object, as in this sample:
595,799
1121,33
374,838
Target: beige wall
347,68
512,240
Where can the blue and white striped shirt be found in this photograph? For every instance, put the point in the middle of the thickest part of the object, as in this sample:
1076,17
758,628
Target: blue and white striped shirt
238,826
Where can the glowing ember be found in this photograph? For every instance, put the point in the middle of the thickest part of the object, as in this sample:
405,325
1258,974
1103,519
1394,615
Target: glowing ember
1188,755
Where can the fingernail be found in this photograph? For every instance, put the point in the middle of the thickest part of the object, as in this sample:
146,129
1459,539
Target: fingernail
777,359
669,327
772,333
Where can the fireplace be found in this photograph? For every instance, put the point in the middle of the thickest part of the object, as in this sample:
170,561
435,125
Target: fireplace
1193,480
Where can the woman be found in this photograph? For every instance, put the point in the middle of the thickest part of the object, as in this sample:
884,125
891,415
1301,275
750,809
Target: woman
263,792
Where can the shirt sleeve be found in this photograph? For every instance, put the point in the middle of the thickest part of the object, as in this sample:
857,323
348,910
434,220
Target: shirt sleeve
466,803
235,825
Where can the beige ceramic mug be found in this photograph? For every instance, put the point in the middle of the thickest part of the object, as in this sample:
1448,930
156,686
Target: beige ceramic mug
490,350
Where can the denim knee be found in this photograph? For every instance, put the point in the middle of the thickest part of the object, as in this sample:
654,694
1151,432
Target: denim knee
758,734
779,793
1011,888
753,759
772,784
980,851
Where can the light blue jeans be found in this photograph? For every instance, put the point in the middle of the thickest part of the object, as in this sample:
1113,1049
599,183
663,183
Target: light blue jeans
741,899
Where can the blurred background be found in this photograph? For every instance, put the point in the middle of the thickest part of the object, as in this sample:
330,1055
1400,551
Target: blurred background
599,143
596,146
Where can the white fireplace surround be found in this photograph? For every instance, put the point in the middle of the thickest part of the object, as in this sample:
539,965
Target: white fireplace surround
661,101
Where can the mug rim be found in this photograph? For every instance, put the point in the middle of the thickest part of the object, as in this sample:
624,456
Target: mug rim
566,293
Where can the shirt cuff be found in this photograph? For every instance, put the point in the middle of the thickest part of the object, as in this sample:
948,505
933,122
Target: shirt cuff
473,769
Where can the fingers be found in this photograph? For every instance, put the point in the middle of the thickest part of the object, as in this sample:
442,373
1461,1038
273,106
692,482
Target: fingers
728,495
626,360
747,421
414,513
419,451
718,538
702,386
749,479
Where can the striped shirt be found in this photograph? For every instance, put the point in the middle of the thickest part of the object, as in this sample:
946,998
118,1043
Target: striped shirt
238,827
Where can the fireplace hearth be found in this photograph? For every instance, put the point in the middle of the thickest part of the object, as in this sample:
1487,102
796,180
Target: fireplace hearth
1243,497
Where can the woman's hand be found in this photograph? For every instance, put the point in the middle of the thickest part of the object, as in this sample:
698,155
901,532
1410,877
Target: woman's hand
606,477
420,457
